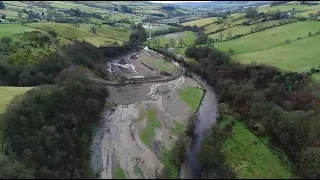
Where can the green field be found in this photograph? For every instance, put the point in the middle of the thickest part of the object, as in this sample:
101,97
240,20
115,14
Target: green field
192,96
20,5
12,29
68,5
131,17
178,129
152,123
9,13
167,162
298,56
284,7
299,9
241,29
120,173
188,38
250,157
138,171
270,37
200,22
109,32
70,32
6,94
213,27
316,77
162,65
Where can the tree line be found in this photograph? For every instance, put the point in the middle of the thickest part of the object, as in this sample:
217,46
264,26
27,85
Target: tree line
47,131
80,53
285,104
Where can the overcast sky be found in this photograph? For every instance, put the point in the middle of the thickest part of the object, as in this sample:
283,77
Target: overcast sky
175,1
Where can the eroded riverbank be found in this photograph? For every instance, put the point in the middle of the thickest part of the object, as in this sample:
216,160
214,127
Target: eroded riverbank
123,139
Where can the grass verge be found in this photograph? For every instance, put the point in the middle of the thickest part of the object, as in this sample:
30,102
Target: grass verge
152,123
138,171
120,173
192,96
249,156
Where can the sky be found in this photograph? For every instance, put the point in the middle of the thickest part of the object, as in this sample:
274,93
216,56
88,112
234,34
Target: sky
175,1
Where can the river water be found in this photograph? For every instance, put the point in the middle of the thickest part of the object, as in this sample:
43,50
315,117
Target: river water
206,118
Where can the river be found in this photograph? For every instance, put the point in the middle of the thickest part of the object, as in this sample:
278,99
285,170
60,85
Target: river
206,118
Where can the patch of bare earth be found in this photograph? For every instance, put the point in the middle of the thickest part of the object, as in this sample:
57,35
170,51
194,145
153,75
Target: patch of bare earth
117,137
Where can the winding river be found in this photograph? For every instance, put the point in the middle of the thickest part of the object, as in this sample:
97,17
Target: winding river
206,117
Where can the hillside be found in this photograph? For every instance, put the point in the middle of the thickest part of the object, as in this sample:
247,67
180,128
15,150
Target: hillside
146,90
270,38
297,56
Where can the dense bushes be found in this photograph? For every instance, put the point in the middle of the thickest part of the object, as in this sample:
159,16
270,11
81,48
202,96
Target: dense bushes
138,35
171,8
47,131
283,104
213,55
13,169
201,38
48,137
194,28
275,3
276,101
212,158
157,14
78,13
79,53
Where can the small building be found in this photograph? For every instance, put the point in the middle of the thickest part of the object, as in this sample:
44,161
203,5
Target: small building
2,20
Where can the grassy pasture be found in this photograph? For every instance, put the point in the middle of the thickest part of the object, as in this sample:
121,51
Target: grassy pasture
131,17
192,96
284,7
108,32
249,156
68,5
300,9
316,77
188,37
22,5
12,29
9,13
297,56
120,174
162,65
241,29
70,32
270,37
148,133
200,22
213,27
